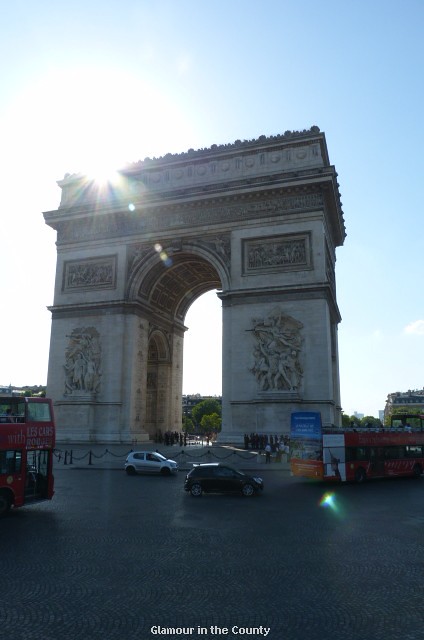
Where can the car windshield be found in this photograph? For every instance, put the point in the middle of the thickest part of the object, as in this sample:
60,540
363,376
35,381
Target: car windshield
160,456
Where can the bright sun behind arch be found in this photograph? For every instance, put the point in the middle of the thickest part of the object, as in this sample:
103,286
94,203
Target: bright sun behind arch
94,120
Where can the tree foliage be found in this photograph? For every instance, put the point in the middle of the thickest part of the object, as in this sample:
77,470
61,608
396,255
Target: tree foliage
370,421
32,391
345,420
188,424
211,423
354,421
205,408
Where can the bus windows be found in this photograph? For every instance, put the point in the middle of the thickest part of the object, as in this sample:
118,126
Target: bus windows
413,451
394,453
10,461
413,421
4,462
357,453
39,412
12,411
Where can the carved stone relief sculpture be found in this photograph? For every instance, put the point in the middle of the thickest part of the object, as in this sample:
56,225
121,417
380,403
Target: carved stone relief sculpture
93,274
83,360
277,352
221,245
277,254
136,254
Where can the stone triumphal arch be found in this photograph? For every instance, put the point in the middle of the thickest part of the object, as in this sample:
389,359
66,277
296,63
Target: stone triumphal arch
257,220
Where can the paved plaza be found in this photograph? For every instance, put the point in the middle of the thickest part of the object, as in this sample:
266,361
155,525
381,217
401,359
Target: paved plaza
113,557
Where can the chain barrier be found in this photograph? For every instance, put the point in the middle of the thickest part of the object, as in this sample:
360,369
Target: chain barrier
69,457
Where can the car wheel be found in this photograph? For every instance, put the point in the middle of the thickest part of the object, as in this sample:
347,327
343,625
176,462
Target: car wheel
196,490
360,475
4,503
248,490
130,471
165,471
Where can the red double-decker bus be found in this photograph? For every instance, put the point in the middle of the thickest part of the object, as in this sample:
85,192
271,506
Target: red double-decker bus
359,454
27,440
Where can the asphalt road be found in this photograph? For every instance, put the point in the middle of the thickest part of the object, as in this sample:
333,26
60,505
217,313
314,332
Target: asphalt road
113,557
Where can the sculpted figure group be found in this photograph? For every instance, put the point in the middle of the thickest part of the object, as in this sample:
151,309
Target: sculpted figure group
276,354
82,368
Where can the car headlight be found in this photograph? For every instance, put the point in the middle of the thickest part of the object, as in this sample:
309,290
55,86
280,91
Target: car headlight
258,480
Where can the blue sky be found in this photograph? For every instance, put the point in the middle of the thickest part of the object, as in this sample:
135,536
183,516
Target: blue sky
87,85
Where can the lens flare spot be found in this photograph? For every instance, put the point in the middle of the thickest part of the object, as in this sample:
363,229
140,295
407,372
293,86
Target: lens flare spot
166,259
328,500
334,504
131,206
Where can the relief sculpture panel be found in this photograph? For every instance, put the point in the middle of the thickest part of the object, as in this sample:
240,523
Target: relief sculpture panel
277,352
93,274
277,254
83,361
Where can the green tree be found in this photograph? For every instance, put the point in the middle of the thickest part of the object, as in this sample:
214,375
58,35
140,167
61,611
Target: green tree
371,421
205,408
188,424
211,423
354,421
345,421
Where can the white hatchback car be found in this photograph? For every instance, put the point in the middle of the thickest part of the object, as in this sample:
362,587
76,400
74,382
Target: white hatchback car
149,462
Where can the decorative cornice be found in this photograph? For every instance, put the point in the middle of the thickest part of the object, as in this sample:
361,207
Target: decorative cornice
322,291
193,154
220,168
227,183
171,217
237,145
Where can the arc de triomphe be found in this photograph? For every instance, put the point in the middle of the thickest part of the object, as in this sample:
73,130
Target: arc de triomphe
257,220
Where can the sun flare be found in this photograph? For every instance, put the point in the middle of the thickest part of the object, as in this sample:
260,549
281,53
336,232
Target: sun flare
94,121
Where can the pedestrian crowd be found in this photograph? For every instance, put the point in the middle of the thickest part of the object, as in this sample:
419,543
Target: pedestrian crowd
181,438
170,438
272,444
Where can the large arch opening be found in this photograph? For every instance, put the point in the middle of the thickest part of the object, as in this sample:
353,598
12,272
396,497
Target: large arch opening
175,280
169,285
202,373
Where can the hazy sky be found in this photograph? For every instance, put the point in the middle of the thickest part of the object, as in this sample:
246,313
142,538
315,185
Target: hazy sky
86,85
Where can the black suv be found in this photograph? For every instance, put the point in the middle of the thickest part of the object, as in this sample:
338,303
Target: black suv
220,478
